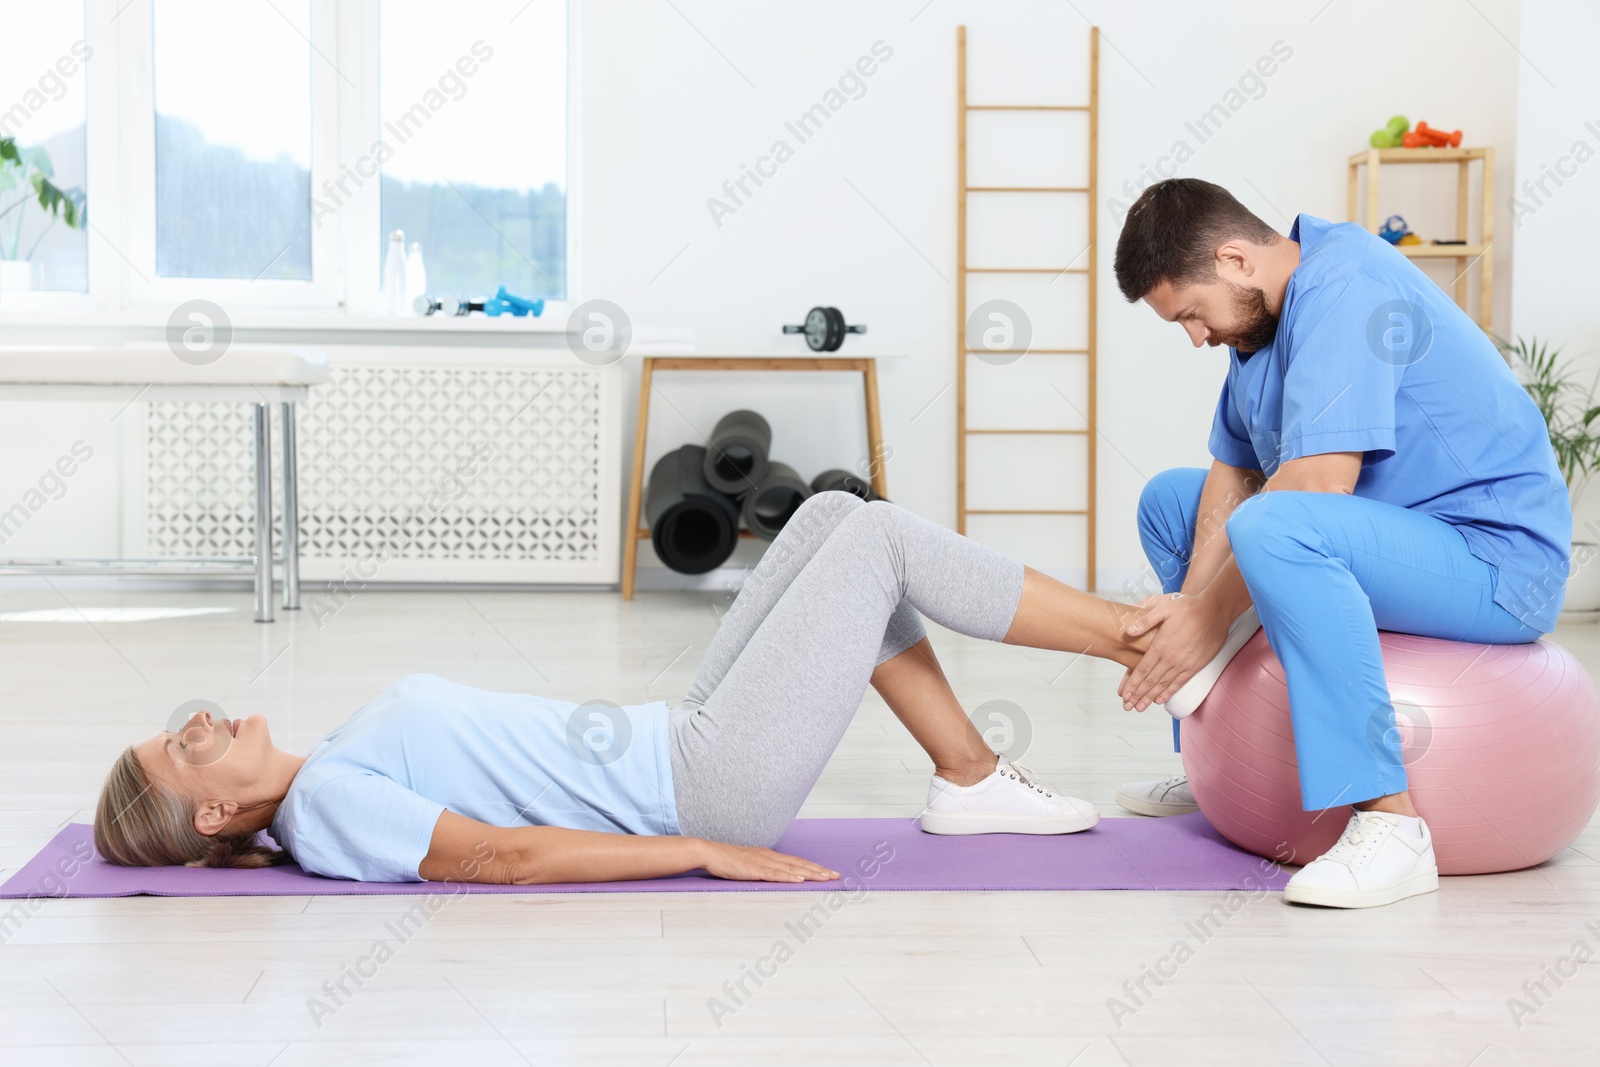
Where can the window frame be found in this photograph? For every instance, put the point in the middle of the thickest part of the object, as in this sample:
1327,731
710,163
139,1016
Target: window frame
345,122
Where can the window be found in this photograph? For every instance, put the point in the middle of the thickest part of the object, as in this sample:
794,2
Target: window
43,113
257,153
474,120
233,139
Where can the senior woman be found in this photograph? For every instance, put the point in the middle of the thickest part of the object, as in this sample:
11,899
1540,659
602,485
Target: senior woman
442,782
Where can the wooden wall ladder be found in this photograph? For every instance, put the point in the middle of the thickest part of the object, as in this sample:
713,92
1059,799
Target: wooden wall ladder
964,352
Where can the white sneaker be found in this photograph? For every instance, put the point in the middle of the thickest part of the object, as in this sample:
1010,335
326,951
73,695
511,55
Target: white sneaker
1192,693
1009,801
1170,796
1375,862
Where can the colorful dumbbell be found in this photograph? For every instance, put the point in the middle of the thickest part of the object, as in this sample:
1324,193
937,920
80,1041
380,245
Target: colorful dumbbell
1425,136
1441,138
1390,135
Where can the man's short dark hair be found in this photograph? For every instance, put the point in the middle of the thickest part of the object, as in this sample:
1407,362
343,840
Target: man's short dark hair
1173,230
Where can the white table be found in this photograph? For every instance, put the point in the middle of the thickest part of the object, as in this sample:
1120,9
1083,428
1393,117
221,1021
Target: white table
257,375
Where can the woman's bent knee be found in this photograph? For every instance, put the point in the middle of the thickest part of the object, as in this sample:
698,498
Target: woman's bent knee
822,512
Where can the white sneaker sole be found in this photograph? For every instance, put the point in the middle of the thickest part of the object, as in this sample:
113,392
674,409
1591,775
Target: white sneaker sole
1411,886
1156,808
958,823
1187,700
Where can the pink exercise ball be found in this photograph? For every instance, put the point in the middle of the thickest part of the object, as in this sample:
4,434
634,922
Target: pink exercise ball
1501,743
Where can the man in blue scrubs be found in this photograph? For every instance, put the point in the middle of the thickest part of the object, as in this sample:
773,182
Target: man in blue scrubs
1375,465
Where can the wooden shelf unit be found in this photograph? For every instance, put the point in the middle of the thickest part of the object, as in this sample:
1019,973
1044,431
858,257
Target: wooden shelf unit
1466,256
866,366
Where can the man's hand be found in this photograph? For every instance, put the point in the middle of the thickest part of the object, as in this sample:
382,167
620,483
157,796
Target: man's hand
1188,631
740,863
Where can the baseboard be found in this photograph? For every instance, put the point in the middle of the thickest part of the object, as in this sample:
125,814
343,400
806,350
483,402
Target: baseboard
1117,584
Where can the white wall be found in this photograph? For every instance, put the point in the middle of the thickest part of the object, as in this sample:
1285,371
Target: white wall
676,97
864,214
1556,279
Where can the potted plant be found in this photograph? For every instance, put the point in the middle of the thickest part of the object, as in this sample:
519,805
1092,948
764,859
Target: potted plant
25,177
1572,415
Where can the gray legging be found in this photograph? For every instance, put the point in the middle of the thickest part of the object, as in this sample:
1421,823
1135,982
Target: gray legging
834,596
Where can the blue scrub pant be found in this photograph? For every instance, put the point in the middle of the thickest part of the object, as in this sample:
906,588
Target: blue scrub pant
1326,572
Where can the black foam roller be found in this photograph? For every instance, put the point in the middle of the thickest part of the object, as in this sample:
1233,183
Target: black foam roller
775,499
693,526
737,457
844,481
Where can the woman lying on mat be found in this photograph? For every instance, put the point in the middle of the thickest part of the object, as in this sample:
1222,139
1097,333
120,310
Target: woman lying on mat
440,782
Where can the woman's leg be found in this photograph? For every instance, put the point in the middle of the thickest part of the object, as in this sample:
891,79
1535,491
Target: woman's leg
917,691
744,762
908,675
788,554
1052,614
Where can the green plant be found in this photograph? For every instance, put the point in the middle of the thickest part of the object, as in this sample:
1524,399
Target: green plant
30,169
1568,408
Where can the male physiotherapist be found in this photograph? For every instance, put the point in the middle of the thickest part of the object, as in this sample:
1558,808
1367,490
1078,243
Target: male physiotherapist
1375,466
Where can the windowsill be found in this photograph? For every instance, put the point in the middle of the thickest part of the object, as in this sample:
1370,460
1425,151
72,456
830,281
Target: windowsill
289,320
53,327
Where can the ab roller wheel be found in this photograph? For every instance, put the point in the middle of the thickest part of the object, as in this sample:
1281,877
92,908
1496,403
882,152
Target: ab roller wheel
824,329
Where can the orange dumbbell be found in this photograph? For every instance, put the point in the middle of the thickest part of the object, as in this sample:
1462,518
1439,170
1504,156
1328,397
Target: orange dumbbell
1439,138
1417,139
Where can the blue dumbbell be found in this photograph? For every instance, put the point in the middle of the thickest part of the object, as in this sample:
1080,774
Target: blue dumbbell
503,303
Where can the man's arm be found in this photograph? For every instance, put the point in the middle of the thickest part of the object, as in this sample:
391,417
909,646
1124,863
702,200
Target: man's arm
466,850
1211,567
1225,489
1192,630
1330,472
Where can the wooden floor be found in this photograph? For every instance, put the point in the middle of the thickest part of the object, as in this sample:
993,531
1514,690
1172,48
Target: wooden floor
893,978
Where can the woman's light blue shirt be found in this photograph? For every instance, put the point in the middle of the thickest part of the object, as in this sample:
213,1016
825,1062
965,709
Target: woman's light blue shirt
365,802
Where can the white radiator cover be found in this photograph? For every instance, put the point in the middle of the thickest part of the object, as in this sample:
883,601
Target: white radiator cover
416,465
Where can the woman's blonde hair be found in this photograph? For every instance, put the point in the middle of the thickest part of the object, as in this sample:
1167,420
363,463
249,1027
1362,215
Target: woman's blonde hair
140,823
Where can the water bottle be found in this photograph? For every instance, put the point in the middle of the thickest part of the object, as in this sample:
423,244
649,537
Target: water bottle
416,277
394,276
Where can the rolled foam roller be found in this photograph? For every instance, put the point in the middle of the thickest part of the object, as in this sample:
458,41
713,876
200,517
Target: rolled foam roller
776,497
737,457
844,481
693,526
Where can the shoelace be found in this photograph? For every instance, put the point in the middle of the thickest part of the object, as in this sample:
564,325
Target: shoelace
1354,844
1018,773
1167,785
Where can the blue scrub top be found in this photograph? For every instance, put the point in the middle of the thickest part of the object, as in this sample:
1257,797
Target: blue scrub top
364,804
1371,356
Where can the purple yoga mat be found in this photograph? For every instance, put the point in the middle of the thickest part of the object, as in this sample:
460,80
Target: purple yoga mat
1172,853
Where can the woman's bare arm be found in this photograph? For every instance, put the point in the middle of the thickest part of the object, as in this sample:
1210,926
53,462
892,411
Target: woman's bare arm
466,850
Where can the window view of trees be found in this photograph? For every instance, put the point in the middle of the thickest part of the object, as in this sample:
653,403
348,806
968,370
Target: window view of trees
471,112
226,215
474,109
222,214
476,239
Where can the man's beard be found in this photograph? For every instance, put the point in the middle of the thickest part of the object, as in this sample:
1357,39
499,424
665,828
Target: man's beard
1257,326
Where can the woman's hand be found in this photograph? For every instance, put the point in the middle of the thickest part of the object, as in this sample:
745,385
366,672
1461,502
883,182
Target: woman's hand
741,863
1188,631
